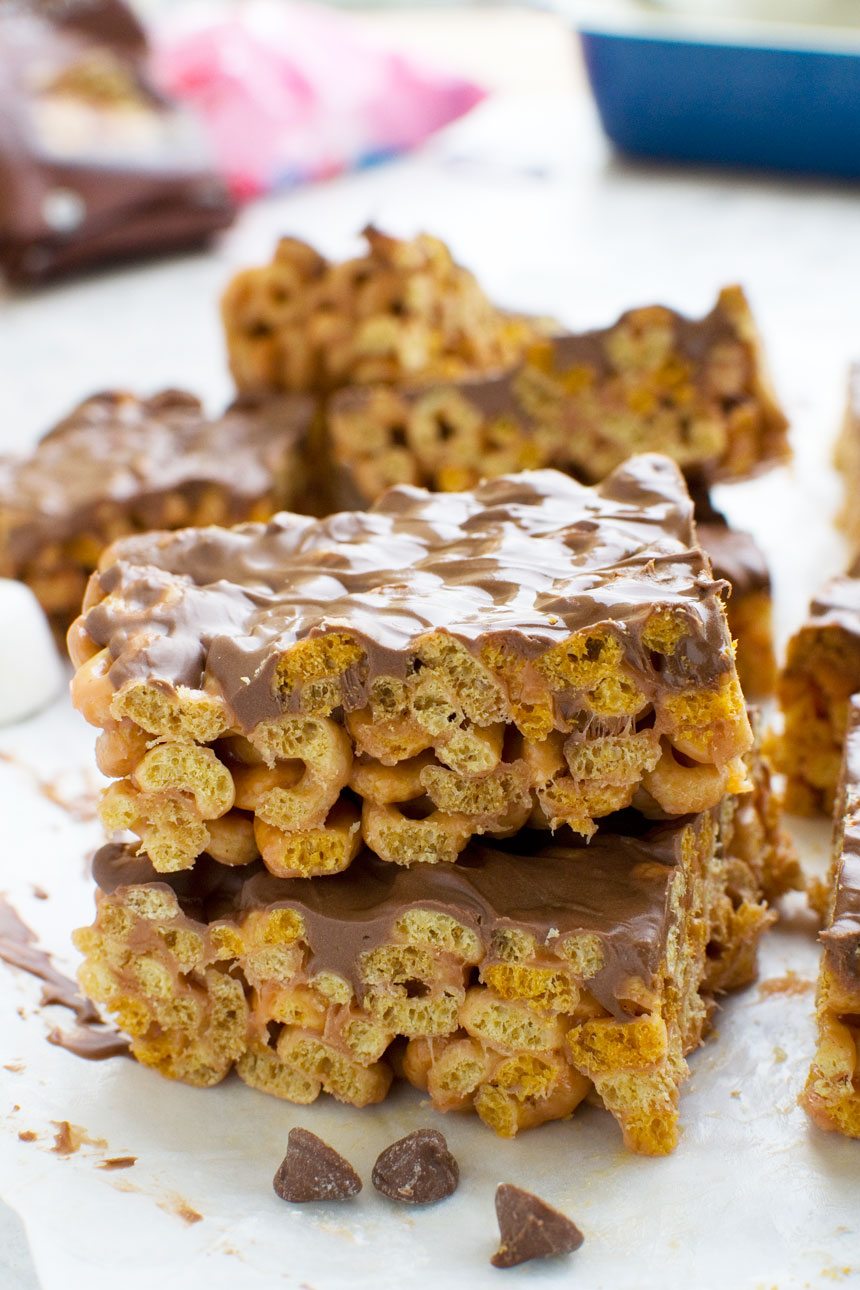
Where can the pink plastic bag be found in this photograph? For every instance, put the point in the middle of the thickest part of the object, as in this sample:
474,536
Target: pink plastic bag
291,92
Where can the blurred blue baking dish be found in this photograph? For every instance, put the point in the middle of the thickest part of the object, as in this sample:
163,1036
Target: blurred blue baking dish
734,91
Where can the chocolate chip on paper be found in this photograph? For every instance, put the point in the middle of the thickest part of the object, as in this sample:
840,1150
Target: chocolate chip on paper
418,1169
530,1229
312,1170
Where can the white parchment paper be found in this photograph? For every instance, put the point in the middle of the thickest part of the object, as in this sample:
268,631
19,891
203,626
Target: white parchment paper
754,1197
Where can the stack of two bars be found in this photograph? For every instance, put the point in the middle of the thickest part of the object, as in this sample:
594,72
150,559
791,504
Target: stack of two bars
461,788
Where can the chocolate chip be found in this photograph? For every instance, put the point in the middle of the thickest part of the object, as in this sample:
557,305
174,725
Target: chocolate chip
530,1229
418,1169
312,1170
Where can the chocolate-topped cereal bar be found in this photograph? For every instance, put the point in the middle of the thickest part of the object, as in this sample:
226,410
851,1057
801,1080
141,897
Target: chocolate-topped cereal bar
440,666
403,310
518,980
697,390
820,674
119,464
848,457
736,557
832,1094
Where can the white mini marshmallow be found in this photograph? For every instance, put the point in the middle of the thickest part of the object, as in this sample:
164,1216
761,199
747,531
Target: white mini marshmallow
31,674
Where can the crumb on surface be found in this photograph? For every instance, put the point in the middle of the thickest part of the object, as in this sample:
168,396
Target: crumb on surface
789,984
69,1138
27,1135
117,1162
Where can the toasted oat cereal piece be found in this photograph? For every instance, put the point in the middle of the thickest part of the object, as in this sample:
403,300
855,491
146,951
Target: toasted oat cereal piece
439,667
118,464
737,557
832,1093
697,390
820,674
403,310
523,977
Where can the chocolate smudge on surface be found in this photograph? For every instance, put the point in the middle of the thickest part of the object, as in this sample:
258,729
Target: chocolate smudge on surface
19,949
93,1044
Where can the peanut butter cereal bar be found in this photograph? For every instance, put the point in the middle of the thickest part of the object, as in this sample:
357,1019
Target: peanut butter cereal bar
697,390
403,310
820,674
443,665
736,557
119,464
519,980
832,1094
848,458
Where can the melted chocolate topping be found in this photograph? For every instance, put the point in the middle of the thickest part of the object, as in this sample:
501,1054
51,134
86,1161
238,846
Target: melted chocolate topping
616,888
145,448
523,560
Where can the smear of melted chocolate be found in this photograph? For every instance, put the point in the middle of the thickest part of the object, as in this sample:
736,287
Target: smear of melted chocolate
92,1043
18,948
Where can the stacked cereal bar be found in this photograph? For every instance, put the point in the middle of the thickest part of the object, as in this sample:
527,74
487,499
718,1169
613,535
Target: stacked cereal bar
360,698
118,464
820,674
696,390
403,310
520,977
443,665
832,1094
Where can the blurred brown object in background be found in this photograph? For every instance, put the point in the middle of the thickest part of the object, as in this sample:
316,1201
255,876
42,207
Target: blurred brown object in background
95,164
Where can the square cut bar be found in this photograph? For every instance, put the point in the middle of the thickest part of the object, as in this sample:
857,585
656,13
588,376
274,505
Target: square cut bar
737,558
814,687
848,458
118,464
440,666
832,1093
697,390
402,311
513,983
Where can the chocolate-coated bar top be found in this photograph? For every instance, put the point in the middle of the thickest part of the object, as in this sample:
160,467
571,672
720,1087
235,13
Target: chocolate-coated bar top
116,448
616,889
524,559
842,937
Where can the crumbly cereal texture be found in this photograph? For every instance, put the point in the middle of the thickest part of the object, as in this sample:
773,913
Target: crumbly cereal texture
820,674
403,310
832,1093
696,390
515,982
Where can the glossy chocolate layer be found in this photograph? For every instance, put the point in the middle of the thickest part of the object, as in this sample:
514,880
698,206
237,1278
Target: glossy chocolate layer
615,888
118,449
523,560
842,937
94,162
